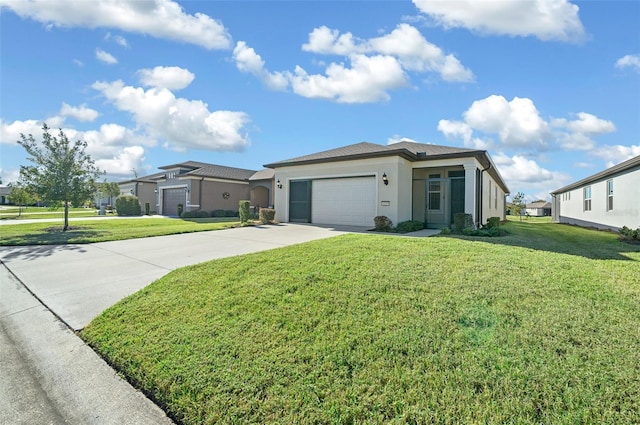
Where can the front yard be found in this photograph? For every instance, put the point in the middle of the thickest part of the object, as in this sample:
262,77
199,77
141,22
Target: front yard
541,326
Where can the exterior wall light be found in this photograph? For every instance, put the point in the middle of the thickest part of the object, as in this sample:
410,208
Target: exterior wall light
385,180
278,184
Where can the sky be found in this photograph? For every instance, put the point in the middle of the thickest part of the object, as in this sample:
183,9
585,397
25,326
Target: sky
550,88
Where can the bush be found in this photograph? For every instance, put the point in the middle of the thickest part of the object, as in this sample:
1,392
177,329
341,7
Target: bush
244,211
490,232
462,221
446,231
267,215
409,226
493,222
231,213
218,213
128,205
194,214
382,223
630,234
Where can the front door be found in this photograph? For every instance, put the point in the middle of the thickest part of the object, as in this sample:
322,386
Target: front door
457,197
300,201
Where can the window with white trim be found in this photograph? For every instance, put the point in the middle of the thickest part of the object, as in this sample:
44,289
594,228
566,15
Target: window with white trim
609,195
587,198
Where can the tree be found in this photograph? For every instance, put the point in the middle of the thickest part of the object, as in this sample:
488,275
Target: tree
111,190
62,173
20,196
517,204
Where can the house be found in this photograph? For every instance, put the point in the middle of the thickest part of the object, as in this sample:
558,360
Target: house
606,200
5,192
538,209
351,185
199,186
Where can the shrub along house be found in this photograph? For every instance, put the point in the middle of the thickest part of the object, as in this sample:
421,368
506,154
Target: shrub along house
606,200
351,185
199,186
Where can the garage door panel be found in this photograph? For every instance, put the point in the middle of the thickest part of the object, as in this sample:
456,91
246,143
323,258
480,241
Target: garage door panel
170,200
344,201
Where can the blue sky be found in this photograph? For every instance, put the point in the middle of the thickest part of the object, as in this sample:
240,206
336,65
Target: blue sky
550,88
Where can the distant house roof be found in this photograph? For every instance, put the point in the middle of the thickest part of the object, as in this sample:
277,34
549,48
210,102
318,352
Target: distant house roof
410,151
203,169
623,166
539,204
5,191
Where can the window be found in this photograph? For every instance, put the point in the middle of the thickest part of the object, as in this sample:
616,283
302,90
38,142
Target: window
587,198
495,198
609,195
434,191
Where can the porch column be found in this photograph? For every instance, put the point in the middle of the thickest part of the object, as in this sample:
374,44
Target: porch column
470,190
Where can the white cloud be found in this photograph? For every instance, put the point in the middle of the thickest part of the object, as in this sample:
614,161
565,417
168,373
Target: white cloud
118,39
247,60
116,149
105,57
9,176
518,124
629,61
180,122
367,80
81,113
581,130
370,68
78,62
168,77
526,175
544,19
616,154
405,43
10,132
158,18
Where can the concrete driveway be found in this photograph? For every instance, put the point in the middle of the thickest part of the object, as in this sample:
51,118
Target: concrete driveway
49,375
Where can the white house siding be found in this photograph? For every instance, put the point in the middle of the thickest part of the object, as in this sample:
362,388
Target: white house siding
568,206
493,199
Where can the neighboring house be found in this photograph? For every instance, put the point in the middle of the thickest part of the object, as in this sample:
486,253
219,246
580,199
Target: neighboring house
199,186
606,200
538,209
403,181
5,191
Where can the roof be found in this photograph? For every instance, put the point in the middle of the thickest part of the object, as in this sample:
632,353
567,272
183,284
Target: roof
623,166
539,204
266,174
410,151
5,190
202,169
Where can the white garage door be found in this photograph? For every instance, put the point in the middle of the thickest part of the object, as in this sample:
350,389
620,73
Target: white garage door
346,201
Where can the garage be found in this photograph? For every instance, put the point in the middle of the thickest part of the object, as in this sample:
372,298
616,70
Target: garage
344,201
170,200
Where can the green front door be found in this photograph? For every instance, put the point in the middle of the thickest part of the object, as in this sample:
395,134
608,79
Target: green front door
300,201
457,197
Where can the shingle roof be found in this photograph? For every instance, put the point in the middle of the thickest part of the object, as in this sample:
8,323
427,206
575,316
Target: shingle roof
221,172
266,174
539,204
410,150
623,166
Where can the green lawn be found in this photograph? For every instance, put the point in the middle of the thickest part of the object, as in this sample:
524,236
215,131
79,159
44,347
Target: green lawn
12,213
539,327
102,230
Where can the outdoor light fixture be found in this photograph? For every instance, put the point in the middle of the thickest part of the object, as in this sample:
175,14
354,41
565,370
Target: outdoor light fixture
385,180
279,184
155,190
186,189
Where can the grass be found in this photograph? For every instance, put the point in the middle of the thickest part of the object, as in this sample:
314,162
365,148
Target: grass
30,213
541,326
102,230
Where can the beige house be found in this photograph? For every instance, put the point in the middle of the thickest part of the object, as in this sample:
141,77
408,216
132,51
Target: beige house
351,185
199,186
